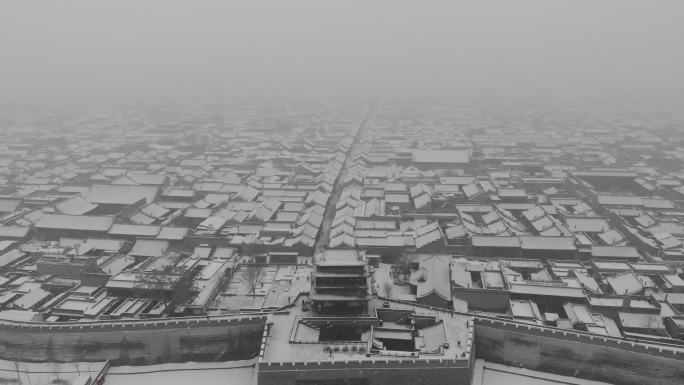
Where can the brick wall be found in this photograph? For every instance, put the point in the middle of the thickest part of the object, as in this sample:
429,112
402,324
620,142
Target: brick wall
579,354
134,342
376,372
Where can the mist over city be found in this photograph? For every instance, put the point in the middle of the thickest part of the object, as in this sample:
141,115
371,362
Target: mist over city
79,52
342,192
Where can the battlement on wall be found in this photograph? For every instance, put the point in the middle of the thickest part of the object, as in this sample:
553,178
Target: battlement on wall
378,371
374,363
97,326
135,342
577,354
676,352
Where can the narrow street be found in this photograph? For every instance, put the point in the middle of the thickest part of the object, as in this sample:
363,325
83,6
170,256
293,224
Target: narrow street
324,236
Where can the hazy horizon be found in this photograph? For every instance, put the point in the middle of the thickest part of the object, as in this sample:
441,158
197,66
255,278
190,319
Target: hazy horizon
78,52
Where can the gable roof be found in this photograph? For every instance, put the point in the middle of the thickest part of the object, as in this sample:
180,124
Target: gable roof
120,194
75,206
625,284
9,205
441,156
75,222
149,248
433,277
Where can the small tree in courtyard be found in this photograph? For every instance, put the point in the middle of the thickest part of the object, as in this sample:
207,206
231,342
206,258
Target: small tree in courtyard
252,275
172,286
405,265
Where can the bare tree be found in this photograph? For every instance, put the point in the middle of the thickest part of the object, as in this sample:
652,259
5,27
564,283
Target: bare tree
252,275
223,283
80,356
405,264
171,286
26,373
56,369
16,368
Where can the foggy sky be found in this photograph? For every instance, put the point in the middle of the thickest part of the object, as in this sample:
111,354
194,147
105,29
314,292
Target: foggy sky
117,50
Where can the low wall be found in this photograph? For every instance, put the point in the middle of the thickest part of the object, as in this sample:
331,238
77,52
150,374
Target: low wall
574,354
375,372
134,342
483,299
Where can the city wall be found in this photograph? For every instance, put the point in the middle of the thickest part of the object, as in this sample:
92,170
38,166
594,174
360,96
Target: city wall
367,372
577,354
134,342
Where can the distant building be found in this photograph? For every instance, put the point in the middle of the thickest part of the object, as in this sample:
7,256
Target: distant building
66,266
431,159
53,226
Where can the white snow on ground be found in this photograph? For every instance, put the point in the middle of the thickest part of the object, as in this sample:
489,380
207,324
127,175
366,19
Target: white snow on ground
487,373
205,373
29,373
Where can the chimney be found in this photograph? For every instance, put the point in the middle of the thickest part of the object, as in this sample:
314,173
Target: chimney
626,302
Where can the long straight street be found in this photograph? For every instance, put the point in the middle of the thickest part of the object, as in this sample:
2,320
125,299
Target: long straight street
324,235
